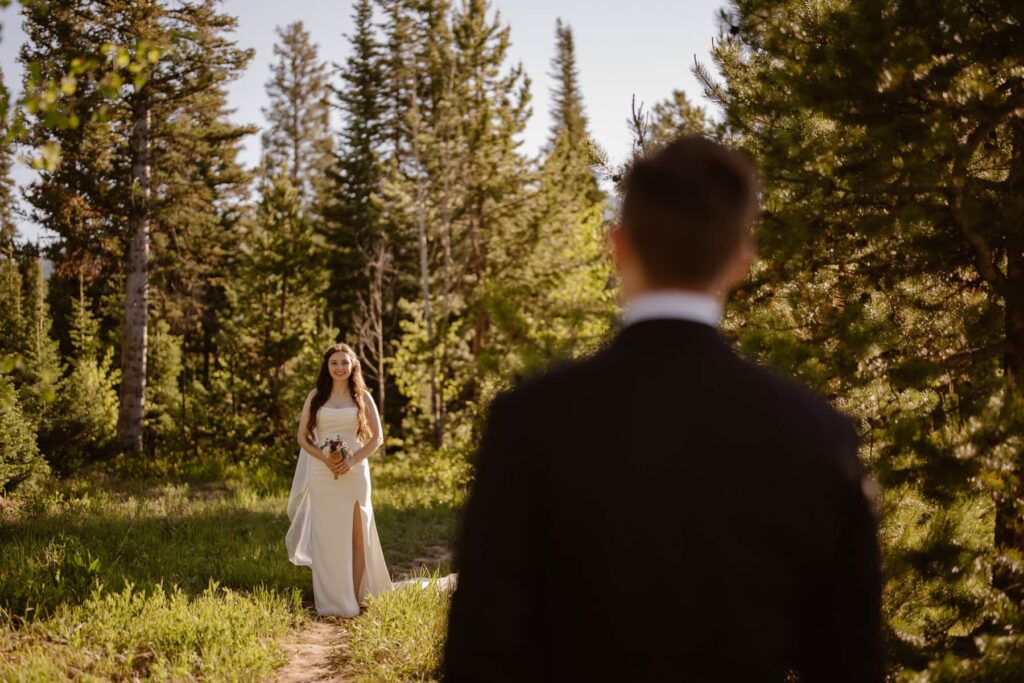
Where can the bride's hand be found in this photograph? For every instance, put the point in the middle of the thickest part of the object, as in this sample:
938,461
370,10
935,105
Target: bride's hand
337,467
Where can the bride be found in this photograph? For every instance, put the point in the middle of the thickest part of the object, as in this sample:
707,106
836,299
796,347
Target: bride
332,527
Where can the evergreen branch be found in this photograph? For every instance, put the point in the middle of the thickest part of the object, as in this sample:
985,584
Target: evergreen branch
712,89
639,125
984,255
971,356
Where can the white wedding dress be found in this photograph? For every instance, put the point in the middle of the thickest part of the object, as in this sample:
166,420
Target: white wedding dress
321,510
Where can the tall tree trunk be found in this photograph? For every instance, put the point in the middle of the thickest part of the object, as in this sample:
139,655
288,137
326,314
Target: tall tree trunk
378,327
136,300
1009,531
427,316
369,318
449,174
479,270
446,312
1015,258
421,237
296,143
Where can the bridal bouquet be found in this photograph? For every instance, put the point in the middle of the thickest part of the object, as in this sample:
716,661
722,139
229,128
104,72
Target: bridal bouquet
337,451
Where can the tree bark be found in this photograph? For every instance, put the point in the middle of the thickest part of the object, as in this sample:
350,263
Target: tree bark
1009,528
446,309
131,412
378,328
1015,259
421,220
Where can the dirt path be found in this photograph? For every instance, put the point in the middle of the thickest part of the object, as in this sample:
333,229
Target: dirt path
311,651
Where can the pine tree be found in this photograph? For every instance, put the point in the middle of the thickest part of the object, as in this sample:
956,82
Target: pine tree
892,277
454,176
12,322
21,466
42,369
419,199
138,132
496,109
276,317
560,303
8,228
31,359
164,414
84,328
83,427
567,114
361,252
677,116
298,138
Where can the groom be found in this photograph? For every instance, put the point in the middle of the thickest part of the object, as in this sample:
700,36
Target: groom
665,510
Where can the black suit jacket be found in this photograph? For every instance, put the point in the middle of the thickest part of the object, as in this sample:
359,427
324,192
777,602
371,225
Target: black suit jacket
665,510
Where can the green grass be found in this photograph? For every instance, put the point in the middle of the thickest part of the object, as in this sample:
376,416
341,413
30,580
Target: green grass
174,585
158,635
137,581
400,636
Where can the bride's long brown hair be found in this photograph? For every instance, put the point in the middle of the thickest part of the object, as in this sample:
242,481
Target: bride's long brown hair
324,384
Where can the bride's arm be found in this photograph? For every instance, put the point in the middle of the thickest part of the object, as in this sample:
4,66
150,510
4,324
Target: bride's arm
303,437
376,439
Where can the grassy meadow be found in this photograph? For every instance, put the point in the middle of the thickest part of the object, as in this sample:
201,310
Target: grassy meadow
142,580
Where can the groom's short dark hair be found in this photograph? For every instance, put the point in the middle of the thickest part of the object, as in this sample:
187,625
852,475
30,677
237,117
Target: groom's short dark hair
687,208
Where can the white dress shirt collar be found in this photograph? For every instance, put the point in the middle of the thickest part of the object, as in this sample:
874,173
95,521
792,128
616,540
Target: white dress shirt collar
679,304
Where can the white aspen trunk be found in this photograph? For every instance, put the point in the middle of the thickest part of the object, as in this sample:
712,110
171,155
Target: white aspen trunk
421,237
136,301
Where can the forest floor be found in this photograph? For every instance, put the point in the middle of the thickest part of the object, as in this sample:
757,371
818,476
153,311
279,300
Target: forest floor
148,581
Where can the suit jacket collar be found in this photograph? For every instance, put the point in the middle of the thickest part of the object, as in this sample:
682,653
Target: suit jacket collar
668,334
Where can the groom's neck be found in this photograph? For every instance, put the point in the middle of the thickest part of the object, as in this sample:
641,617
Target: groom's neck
635,292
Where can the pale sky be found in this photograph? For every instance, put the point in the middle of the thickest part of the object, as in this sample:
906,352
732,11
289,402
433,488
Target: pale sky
644,48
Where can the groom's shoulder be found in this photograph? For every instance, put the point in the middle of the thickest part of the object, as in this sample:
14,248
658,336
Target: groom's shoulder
781,394
785,394
804,415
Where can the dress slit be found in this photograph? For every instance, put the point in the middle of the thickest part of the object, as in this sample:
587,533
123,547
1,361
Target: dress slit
358,590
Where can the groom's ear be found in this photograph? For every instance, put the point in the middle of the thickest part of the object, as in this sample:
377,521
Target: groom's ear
622,248
739,265
615,238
